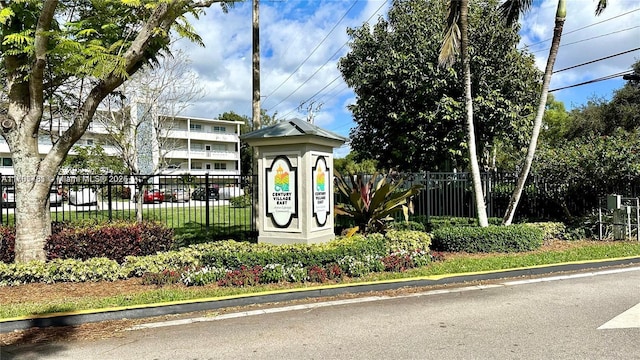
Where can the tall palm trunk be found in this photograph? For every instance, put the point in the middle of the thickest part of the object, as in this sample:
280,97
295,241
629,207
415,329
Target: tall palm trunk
561,13
478,194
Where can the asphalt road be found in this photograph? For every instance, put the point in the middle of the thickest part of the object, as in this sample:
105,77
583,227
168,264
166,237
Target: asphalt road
584,316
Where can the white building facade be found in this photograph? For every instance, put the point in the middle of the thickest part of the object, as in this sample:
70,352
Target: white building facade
198,146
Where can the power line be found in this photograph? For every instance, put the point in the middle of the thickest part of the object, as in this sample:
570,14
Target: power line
326,62
329,92
313,51
591,38
596,60
608,77
584,27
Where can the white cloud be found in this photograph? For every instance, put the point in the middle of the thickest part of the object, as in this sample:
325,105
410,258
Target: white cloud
291,30
586,37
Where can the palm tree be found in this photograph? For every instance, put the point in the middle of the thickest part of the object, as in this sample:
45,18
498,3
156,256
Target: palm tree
457,38
512,9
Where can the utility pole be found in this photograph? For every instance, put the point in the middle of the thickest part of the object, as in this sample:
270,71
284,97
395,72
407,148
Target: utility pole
256,65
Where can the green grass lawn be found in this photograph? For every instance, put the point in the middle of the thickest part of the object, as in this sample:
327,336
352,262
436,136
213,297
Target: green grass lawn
453,264
173,215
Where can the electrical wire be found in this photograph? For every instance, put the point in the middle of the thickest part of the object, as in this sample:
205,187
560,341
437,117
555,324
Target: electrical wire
313,51
582,28
608,77
596,60
591,38
323,65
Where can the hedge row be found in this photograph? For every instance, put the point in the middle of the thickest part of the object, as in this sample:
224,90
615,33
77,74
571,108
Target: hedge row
513,238
358,254
115,241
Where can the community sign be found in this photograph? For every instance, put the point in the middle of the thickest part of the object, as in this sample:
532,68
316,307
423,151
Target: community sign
321,193
282,200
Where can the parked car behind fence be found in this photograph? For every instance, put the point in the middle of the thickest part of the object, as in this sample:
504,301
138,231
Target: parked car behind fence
201,194
180,195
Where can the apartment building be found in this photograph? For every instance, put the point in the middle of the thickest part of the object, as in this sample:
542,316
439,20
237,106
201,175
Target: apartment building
203,146
196,146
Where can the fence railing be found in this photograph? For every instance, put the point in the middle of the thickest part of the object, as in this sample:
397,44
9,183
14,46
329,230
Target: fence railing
179,201
450,194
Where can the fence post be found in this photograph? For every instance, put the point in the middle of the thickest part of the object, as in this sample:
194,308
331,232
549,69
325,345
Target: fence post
428,198
1,199
109,196
206,197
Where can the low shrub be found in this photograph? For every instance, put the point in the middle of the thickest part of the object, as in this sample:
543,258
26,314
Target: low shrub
513,238
551,230
438,222
317,274
60,270
164,277
114,241
7,244
243,276
202,276
272,273
231,263
406,225
241,201
407,240
397,262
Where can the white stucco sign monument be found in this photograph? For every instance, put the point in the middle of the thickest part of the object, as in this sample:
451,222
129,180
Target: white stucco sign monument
295,177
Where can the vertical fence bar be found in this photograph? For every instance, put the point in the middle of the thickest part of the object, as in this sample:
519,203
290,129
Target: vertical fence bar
2,200
428,197
638,219
110,210
206,203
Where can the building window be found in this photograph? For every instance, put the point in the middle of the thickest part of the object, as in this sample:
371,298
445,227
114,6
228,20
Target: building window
195,127
196,166
219,129
89,141
7,162
208,166
220,166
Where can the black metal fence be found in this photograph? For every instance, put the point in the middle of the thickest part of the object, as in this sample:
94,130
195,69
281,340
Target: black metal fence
451,195
220,204
224,204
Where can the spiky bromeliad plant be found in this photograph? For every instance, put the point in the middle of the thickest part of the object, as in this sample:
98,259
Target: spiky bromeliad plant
372,202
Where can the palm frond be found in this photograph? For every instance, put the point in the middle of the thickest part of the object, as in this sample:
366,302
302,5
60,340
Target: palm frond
451,41
512,9
602,4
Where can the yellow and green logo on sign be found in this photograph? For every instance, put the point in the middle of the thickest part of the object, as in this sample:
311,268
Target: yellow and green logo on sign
281,180
320,180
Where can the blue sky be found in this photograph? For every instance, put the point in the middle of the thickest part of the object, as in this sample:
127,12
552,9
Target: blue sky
301,42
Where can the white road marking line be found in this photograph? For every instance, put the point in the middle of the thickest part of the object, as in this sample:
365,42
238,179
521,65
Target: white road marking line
573,276
626,320
634,316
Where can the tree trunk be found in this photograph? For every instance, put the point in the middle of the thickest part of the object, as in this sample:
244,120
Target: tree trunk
537,124
478,194
32,213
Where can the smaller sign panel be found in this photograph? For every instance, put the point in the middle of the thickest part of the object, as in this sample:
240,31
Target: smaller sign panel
321,184
282,199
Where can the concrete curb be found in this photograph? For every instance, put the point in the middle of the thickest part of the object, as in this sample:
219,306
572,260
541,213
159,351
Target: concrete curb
178,307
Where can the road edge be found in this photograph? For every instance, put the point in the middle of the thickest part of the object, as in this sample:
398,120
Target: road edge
177,307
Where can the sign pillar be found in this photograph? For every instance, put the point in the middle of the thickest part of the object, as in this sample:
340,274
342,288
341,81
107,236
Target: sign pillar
295,182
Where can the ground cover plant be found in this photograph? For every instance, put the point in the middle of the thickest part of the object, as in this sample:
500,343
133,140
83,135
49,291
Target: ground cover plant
230,268
39,298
